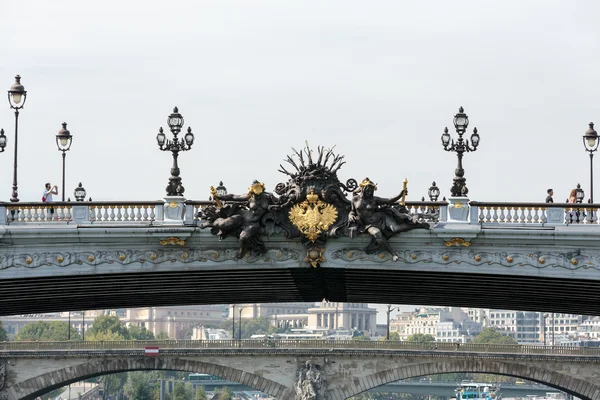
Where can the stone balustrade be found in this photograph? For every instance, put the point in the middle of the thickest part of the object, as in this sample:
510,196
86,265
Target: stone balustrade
186,213
312,344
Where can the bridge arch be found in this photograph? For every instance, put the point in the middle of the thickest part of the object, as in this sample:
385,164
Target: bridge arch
575,386
31,388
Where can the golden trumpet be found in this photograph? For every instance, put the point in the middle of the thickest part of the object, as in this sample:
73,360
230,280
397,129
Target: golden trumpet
405,184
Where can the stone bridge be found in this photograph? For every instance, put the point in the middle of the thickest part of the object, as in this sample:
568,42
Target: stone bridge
333,370
117,255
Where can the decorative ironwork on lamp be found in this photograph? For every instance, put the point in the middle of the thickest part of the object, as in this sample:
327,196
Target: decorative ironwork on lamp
590,143
175,122
433,192
461,122
80,193
63,142
17,95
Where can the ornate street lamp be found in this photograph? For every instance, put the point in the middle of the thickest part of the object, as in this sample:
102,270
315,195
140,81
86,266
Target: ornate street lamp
433,192
2,140
389,310
79,193
16,99
461,122
579,194
175,122
63,142
590,143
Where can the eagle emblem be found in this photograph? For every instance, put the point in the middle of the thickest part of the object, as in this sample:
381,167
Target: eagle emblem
313,216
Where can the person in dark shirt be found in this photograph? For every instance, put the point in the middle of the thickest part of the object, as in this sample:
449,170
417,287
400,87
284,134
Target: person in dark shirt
549,197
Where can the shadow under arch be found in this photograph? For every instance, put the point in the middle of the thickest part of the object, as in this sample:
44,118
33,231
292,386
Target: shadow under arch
34,387
577,387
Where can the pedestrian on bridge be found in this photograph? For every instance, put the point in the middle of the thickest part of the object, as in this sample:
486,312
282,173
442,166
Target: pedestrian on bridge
47,197
549,198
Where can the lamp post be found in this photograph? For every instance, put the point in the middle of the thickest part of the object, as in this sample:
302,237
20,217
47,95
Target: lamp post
233,322
175,122
433,192
579,194
240,322
79,193
16,99
2,140
461,122
63,142
590,143
389,310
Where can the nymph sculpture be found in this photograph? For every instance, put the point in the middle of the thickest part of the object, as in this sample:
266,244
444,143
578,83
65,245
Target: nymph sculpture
243,219
380,217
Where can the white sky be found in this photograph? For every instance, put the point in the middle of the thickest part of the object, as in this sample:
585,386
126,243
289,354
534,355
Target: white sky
378,79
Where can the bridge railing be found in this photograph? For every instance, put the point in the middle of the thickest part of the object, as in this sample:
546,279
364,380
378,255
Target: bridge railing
533,213
149,212
297,344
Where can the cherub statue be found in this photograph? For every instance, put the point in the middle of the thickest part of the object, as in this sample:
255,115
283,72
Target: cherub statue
377,216
242,220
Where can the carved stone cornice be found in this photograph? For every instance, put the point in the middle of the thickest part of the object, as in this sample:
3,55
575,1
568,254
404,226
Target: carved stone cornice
125,257
539,260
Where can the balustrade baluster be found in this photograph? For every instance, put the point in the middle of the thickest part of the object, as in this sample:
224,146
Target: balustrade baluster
502,215
495,215
36,216
536,214
152,213
138,214
105,216
127,213
119,215
145,215
60,211
488,216
529,215
522,215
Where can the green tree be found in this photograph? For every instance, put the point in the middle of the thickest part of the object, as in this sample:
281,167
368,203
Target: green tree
162,336
251,327
181,392
108,323
225,394
491,336
140,385
47,330
200,393
394,336
420,338
139,333
113,383
3,335
103,336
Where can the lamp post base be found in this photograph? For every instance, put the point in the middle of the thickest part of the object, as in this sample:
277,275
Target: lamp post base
458,209
174,209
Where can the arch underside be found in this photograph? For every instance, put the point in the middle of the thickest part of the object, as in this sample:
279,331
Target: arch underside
34,387
566,383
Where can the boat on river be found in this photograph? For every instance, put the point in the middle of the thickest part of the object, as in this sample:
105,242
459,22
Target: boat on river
477,391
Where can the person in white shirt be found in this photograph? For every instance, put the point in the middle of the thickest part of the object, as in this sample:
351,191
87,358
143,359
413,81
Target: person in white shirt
47,197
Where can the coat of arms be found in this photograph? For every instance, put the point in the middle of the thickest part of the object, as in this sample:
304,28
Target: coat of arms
313,216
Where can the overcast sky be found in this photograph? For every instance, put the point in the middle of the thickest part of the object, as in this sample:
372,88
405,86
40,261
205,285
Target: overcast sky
378,79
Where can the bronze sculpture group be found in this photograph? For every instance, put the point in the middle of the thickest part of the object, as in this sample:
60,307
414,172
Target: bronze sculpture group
313,202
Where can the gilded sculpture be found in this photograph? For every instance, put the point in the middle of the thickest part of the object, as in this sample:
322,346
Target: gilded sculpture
313,216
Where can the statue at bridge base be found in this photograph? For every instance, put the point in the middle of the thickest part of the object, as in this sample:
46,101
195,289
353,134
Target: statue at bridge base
380,217
311,385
